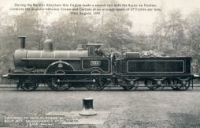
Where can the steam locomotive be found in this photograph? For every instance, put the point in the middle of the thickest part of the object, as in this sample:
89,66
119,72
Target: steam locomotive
90,68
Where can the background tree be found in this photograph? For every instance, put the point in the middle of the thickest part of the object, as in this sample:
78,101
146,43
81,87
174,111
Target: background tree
114,29
170,33
70,30
29,25
193,40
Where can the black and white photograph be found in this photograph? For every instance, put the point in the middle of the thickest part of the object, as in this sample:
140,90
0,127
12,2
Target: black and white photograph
99,64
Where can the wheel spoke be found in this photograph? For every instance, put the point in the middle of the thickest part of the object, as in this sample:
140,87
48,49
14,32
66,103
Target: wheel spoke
28,84
91,86
186,85
152,84
180,84
129,85
96,86
102,84
56,85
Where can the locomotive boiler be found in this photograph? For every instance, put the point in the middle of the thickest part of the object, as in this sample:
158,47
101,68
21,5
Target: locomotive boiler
91,68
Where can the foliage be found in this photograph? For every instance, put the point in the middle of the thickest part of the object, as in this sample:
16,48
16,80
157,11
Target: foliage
193,40
70,30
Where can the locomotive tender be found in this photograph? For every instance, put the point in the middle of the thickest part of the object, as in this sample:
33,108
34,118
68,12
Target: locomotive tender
90,68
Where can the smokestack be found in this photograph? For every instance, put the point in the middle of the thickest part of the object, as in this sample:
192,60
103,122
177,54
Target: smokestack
22,42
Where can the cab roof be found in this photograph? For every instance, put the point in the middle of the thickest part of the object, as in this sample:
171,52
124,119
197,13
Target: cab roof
94,44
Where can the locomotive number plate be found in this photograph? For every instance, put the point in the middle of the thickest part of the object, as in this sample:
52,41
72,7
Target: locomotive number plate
95,63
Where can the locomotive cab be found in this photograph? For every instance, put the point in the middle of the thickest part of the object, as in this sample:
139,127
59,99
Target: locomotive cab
97,61
94,49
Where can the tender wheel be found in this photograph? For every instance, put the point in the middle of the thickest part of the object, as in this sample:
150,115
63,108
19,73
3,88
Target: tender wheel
28,84
56,84
180,85
127,88
151,84
176,84
129,85
96,86
166,83
186,85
